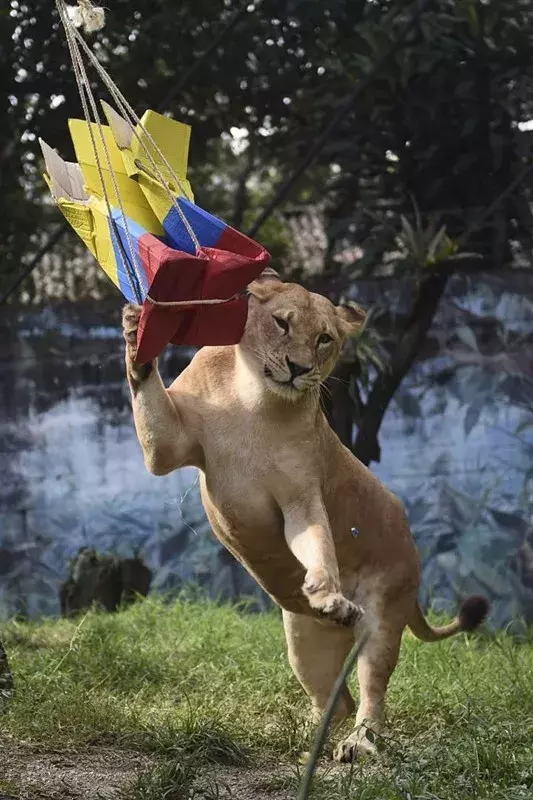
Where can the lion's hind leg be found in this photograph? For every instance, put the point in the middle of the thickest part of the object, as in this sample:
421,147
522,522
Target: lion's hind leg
375,666
317,651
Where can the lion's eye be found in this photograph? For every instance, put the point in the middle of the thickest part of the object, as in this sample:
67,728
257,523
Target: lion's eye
324,338
282,324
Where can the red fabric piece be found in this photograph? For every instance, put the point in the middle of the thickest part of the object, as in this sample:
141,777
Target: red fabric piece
213,273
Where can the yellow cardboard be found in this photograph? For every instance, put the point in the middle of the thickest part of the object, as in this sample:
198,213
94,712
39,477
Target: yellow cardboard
173,140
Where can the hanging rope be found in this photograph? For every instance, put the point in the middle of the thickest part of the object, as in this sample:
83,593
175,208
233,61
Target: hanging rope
91,19
183,303
85,93
87,18
135,123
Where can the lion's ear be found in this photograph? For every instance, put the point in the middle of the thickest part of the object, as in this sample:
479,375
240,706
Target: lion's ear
351,318
266,285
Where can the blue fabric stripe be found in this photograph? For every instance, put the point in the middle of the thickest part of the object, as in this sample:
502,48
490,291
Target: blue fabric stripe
136,231
208,229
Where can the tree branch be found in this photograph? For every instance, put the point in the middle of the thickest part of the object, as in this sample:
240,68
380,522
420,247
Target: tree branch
241,192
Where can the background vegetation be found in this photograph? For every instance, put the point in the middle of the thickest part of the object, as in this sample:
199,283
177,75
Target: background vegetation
436,137
419,205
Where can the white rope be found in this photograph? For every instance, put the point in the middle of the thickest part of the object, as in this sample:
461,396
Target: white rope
268,274
85,93
130,114
92,19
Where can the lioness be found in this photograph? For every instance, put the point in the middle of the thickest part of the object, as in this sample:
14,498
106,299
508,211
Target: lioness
318,531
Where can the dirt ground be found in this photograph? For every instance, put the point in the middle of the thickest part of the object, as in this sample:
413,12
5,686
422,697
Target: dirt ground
30,774
27,773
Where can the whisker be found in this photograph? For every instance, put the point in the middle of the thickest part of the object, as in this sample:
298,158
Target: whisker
261,355
339,380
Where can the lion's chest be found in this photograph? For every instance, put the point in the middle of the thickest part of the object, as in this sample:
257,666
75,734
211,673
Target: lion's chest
244,465
246,517
237,484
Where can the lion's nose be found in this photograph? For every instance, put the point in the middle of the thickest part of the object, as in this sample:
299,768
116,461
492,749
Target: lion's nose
297,369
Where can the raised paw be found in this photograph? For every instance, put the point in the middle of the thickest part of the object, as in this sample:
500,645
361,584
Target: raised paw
337,608
137,373
324,596
131,315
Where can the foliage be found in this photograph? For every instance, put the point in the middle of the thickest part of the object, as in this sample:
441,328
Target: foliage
173,781
439,125
187,682
451,96
432,145
6,678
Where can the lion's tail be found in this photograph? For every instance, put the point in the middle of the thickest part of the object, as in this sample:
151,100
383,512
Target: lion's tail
471,614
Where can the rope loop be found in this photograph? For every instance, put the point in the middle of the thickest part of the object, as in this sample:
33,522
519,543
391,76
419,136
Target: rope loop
185,303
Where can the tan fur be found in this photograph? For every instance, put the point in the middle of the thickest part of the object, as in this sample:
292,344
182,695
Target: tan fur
318,531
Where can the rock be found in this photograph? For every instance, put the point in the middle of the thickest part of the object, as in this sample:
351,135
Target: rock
6,679
104,580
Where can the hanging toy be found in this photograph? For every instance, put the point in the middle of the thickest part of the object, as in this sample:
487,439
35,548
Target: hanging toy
129,200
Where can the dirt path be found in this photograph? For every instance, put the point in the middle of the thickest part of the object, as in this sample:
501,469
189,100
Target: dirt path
27,773
30,774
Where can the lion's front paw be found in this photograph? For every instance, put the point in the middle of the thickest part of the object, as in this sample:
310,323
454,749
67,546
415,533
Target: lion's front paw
337,608
137,373
325,598
131,315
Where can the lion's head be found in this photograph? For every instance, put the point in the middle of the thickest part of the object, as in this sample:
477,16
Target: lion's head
293,337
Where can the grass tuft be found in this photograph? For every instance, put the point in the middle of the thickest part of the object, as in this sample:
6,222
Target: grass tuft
172,781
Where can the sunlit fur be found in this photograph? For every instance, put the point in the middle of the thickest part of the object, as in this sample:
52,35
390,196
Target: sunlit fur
268,346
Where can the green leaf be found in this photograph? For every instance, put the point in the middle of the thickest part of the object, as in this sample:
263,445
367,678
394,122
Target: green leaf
435,244
473,17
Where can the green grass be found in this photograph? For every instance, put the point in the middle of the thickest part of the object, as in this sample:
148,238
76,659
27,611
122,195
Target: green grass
171,781
197,685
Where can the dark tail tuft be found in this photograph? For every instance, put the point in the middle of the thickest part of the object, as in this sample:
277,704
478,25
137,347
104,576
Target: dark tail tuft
473,612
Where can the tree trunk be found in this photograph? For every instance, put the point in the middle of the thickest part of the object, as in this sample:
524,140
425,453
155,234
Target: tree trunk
366,446
337,402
